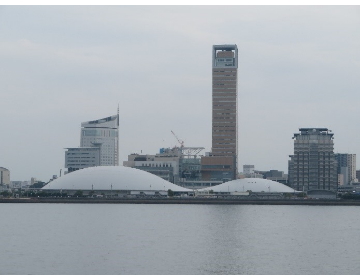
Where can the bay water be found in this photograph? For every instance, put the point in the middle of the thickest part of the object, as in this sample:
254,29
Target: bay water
142,239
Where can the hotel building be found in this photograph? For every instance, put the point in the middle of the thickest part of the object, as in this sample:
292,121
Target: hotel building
313,165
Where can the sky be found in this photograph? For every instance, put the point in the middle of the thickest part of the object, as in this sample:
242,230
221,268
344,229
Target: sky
299,66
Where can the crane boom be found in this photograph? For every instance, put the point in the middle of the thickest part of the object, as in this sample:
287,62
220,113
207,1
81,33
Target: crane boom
181,142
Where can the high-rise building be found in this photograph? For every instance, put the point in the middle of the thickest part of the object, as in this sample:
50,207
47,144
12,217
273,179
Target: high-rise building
4,177
313,165
224,100
102,133
346,168
99,145
221,164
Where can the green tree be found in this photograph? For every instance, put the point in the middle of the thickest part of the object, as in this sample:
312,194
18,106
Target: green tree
42,194
302,194
37,185
288,195
170,193
78,193
350,196
5,194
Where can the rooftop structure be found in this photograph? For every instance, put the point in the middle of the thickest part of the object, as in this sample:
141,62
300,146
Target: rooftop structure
250,184
111,178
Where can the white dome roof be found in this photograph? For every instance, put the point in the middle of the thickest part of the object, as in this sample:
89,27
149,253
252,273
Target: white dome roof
251,184
119,177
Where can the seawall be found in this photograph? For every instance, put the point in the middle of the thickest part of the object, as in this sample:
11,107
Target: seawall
185,201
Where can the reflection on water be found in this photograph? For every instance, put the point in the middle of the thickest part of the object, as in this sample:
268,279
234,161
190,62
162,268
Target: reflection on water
179,239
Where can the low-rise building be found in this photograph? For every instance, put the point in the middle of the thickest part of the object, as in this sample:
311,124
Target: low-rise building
275,175
218,168
178,165
78,158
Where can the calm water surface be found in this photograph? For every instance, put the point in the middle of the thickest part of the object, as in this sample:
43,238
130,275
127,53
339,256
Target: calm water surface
179,239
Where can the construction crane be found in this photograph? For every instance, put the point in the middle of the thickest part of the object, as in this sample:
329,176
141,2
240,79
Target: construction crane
177,138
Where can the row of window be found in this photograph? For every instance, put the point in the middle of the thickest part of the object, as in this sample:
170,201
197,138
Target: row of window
224,122
217,166
224,107
224,118
157,164
222,86
223,59
230,138
226,101
224,71
81,158
80,153
224,113
227,125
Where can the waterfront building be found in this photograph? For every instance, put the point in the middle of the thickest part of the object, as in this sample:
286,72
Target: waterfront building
4,177
346,168
221,164
113,181
255,188
313,165
117,181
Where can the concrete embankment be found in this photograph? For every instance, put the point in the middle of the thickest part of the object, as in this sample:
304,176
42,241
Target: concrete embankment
185,201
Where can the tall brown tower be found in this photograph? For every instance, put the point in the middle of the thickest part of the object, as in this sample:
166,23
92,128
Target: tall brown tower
221,165
224,100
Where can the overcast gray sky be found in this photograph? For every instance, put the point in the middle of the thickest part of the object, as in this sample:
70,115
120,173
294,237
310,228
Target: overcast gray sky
299,66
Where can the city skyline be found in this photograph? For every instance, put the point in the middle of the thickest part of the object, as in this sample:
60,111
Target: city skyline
298,67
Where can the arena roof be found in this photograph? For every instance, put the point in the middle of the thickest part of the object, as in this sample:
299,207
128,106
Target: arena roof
112,178
250,184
